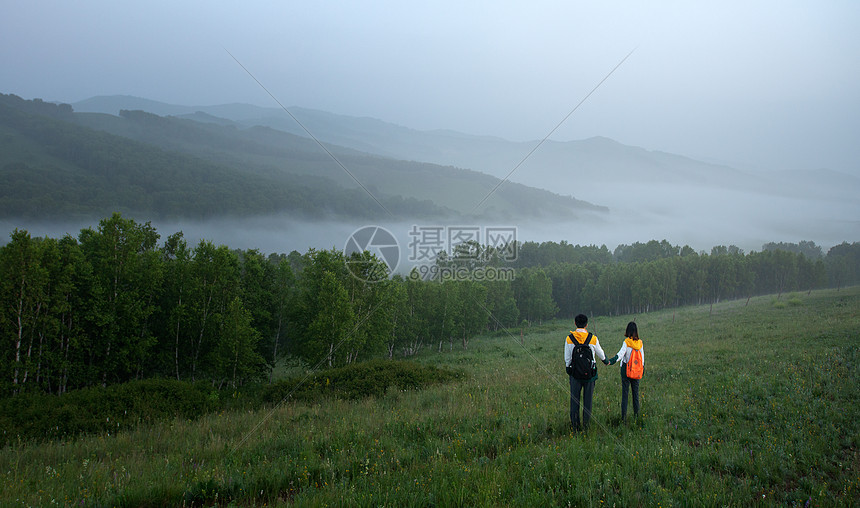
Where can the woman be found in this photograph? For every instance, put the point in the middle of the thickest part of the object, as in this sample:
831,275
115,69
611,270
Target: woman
631,353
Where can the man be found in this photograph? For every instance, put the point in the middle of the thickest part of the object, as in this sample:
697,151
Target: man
583,387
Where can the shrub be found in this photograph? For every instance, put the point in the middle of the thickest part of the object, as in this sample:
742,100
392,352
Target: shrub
97,409
371,378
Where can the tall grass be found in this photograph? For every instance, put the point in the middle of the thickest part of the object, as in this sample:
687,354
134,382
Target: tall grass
741,405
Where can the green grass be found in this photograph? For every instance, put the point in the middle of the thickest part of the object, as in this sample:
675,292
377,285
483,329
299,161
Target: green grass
741,405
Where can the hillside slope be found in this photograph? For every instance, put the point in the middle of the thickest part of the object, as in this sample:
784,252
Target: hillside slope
51,167
147,163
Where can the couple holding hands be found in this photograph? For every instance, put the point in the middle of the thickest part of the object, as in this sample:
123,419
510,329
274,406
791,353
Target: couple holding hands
580,351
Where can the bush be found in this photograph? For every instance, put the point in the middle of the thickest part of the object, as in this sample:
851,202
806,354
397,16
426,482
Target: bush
120,407
43,416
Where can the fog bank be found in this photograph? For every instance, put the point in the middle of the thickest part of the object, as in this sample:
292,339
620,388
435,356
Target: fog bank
699,218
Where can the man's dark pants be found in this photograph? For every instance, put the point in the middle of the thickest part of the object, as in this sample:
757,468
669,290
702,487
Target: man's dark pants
587,389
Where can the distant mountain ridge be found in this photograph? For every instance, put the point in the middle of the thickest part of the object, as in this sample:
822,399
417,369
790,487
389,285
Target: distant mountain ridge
143,162
568,167
53,169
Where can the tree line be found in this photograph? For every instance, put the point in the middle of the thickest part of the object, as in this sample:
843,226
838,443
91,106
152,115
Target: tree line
114,305
643,277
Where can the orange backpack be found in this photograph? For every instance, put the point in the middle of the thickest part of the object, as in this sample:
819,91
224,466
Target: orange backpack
635,367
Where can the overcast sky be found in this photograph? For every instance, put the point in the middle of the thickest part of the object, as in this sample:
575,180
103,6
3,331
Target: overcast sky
764,84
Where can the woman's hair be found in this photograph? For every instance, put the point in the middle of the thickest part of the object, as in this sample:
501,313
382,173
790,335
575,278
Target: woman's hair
632,331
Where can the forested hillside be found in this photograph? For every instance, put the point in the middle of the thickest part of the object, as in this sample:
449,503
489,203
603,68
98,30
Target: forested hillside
52,167
121,302
57,162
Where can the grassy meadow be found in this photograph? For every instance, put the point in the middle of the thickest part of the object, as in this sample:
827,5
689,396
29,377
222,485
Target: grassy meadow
743,403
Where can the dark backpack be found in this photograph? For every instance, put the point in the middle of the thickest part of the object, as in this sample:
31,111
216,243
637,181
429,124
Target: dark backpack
582,364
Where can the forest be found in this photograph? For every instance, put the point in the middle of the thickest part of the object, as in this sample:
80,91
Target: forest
118,304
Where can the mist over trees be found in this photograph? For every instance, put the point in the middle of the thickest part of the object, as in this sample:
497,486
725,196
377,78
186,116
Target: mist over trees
114,304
